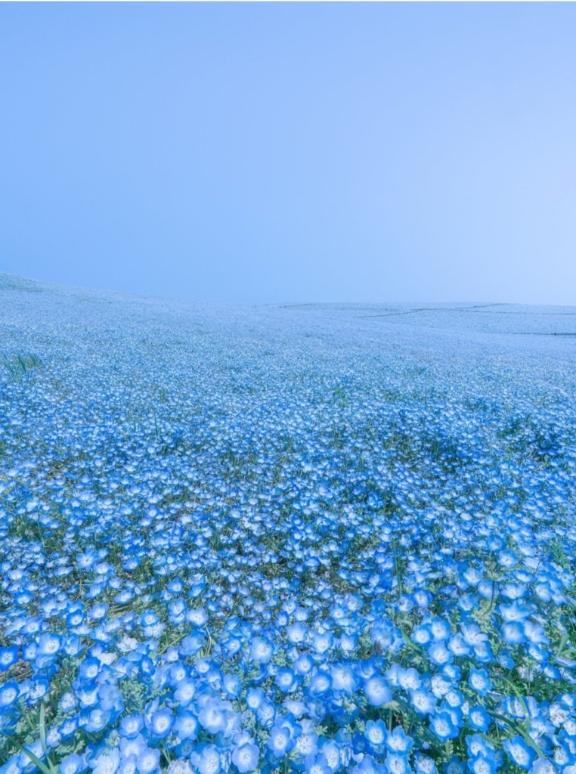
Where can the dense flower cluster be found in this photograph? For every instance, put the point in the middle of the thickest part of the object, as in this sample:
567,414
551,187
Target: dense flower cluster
309,539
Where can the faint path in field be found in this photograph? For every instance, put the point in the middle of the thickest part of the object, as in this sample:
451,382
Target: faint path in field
436,309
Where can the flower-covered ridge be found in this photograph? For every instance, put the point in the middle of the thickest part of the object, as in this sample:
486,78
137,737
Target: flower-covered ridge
302,538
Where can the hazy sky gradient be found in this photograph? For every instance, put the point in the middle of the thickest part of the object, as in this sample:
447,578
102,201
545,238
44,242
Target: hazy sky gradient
267,153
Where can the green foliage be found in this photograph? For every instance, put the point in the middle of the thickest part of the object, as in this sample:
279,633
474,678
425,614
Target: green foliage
20,366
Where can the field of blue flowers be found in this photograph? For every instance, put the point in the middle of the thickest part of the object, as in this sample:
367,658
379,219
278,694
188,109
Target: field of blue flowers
285,538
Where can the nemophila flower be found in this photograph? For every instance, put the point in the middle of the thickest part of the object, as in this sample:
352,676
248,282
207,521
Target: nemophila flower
9,692
285,679
146,666
377,691
453,698
177,670
179,767
478,718
255,697
132,747
49,645
87,695
409,679
72,764
534,632
279,741
68,728
348,643
519,752
261,650
110,698
303,664
212,717
376,734
481,765
317,765
422,598
296,633
322,642
95,719
8,657
513,633
398,742
458,646
131,726
245,757
423,701
266,713
197,616
192,643
439,654
442,725
185,725
440,629
232,685
478,745
479,681
343,679
307,744
423,764
207,760
89,669
396,763
184,692
160,723
368,766
468,602
320,683
543,766
515,611
106,760
148,761
37,690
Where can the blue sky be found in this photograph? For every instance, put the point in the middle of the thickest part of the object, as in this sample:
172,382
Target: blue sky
298,152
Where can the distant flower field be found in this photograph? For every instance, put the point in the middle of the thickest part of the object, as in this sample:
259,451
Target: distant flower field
285,538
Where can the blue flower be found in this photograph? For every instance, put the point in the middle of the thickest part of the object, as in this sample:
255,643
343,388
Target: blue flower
105,761
377,691
398,742
442,725
479,681
285,679
49,644
212,717
423,764
9,692
423,701
280,741
8,657
261,650
376,733
479,718
131,726
396,763
482,765
245,757
161,723
439,653
72,764
148,761
185,692
95,720
519,752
